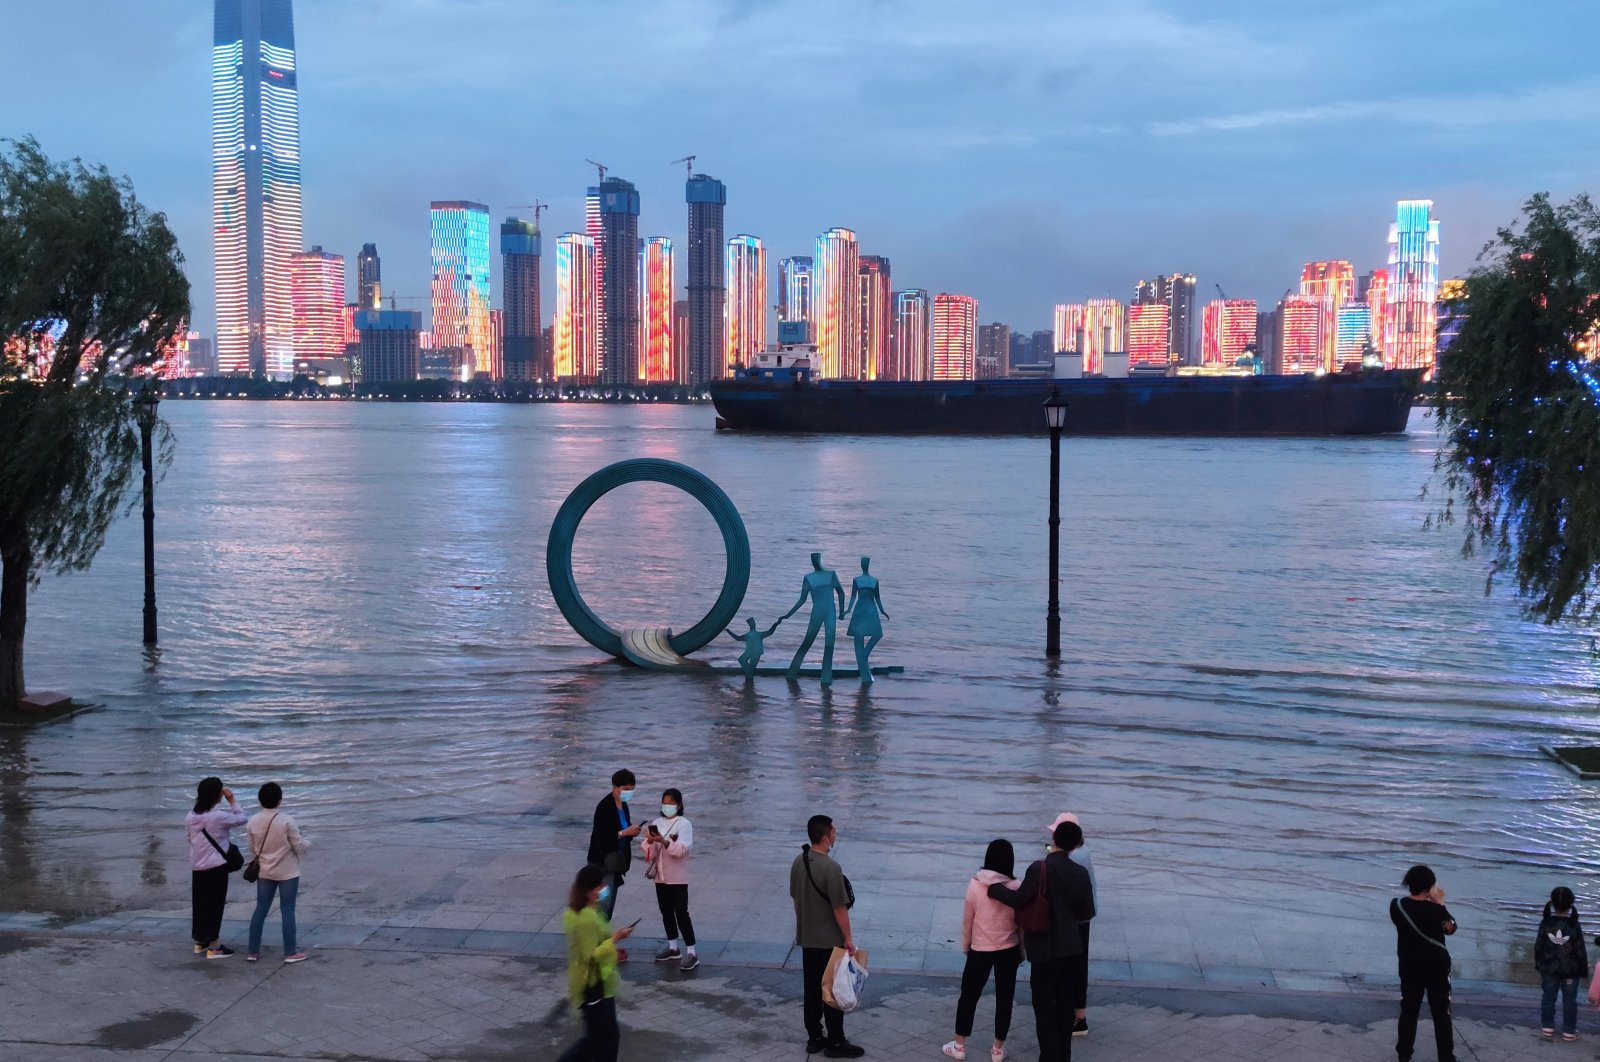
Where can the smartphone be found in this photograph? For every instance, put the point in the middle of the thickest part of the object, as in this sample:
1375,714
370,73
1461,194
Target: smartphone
636,921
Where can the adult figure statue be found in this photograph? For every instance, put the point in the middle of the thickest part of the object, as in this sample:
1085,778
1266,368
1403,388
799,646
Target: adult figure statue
866,605
821,585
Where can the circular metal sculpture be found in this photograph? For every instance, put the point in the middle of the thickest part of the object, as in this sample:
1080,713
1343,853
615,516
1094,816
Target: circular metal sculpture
735,541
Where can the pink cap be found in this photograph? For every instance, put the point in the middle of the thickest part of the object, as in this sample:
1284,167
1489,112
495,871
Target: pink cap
1065,816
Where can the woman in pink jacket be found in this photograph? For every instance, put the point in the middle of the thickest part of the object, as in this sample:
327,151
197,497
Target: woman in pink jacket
991,942
666,843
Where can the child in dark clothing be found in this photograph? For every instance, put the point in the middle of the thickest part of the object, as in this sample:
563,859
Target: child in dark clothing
1559,953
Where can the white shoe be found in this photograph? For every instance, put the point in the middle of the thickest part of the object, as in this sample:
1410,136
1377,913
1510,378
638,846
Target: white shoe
955,1050
997,1053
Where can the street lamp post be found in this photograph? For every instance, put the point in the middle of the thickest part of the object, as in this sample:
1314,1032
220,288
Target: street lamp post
1055,415
144,404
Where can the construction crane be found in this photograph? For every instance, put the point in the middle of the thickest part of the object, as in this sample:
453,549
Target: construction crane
688,163
535,206
1224,294
406,298
599,166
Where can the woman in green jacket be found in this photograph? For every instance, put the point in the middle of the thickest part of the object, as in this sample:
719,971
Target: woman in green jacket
592,979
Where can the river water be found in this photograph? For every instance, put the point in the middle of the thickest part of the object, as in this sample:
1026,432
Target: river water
1276,687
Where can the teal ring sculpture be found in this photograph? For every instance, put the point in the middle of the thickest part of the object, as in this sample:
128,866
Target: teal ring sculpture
735,540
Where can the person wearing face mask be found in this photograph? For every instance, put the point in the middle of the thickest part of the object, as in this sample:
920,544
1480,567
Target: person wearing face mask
611,839
822,899
592,978
666,843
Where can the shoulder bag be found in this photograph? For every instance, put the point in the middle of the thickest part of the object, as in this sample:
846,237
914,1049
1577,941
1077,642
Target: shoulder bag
252,869
232,858
849,893
661,850
1398,906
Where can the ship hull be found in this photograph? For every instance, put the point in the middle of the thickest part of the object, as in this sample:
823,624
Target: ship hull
1368,403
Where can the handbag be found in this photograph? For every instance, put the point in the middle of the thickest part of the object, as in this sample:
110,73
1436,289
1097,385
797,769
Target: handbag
1034,914
849,893
233,859
252,869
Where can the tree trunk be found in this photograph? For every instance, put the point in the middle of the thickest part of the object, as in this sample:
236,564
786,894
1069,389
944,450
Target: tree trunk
16,557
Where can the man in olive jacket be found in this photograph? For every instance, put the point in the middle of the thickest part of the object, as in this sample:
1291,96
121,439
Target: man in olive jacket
1071,898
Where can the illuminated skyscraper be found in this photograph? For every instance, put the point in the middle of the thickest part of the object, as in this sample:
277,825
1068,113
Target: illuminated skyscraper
912,335
1229,327
461,288
657,323
1378,309
1452,312
680,341
1175,291
794,288
1105,331
369,278
316,291
836,307
875,314
707,198
1411,325
1068,327
575,329
955,337
618,248
255,183
994,352
1332,284
1300,334
1149,332
1352,332
745,319
520,249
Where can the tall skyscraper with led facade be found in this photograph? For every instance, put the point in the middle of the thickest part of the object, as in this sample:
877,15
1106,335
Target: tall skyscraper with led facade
1068,327
746,316
369,278
316,292
1300,334
876,314
1105,331
520,250
707,198
1378,309
955,337
912,357
255,183
1149,334
1332,284
1411,324
1352,332
1228,327
575,328
618,248
461,287
1175,291
794,288
657,323
836,308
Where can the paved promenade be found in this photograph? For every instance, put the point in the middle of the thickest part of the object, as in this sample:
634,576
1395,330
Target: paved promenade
137,994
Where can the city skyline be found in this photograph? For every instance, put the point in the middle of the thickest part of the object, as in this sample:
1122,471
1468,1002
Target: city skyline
952,228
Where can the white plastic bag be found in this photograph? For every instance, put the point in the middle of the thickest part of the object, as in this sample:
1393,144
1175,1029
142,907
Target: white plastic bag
848,980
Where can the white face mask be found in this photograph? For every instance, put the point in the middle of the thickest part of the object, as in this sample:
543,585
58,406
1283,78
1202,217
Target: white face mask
668,810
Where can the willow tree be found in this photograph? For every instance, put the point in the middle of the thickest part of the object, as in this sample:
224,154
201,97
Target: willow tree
1517,403
91,292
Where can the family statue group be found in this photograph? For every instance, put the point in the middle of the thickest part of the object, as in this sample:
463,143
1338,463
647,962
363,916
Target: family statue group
821,587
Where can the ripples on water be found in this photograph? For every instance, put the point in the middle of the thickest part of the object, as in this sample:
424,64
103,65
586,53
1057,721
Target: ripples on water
1273,678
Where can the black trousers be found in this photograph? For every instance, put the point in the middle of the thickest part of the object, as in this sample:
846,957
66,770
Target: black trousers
674,903
1080,999
976,974
601,1036
1437,989
814,963
210,896
1054,989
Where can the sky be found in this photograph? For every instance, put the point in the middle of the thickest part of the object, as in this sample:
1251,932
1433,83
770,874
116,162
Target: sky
1026,152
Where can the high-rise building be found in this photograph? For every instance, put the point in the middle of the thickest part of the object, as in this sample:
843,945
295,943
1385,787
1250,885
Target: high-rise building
1377,299
1352,333
657,321
202,355
391,348
1068,328
520,249
1105,331
1041,346
1452,312
955,337
707,198
369,278
1149,334
1332,284
316,292
618,249
1269,340
461,288
1229,326
912,357
597,262
575,327
994,352
1175,291
680,341
794,288
745,316
836,306
1411,326
1021,349
875,315
1300,334
255,184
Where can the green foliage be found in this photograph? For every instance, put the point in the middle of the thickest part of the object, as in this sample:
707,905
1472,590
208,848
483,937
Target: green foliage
1517,404
83,261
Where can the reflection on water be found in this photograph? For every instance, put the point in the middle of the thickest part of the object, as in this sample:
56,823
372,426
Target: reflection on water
1272,677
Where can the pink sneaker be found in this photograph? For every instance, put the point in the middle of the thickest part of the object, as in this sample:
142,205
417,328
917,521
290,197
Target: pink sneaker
298,956
955,1050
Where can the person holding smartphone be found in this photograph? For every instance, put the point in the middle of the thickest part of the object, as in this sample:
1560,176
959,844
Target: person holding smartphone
1421,924
666,843
592,977
212,857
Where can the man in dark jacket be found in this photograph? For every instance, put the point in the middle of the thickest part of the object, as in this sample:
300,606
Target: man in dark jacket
611,839
1071,898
